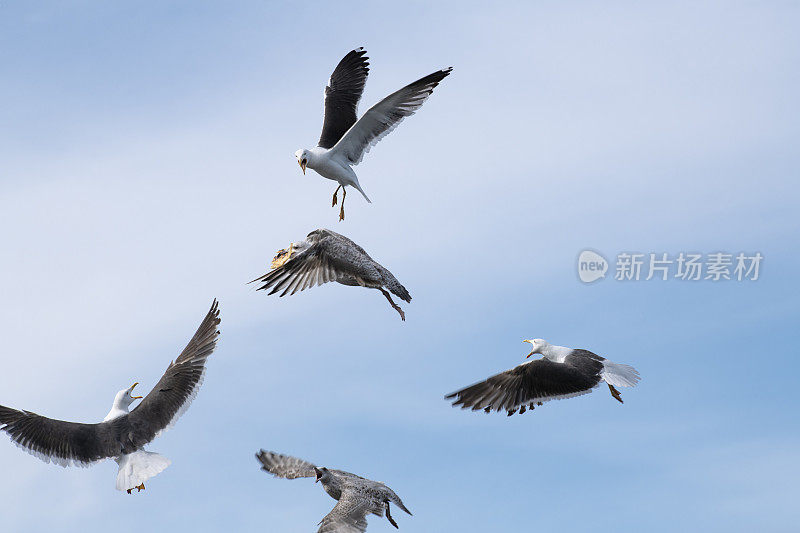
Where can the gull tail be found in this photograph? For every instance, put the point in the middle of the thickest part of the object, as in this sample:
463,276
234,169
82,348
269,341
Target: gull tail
357,187
619,375
138,467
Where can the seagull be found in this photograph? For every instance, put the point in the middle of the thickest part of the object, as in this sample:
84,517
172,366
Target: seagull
122,434
345,138
357,496
561,373
327,256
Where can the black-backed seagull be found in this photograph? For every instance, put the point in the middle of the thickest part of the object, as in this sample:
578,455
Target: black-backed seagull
122,434
345,138
356,496
560,373
327,256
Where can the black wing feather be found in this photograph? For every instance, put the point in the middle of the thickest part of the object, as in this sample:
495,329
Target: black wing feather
342,96
72,442
539,381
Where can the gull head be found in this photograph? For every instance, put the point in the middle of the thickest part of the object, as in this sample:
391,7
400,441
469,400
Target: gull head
302,159
536,346
322,474
125,397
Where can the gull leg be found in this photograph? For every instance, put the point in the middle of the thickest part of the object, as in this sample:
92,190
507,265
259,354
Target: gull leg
335,199
129,491
341,211
140,488
394,305
389,516
615,393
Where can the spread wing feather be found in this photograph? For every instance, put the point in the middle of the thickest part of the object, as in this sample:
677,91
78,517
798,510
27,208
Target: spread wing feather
76,443
385,116
342,95
284,466
529,383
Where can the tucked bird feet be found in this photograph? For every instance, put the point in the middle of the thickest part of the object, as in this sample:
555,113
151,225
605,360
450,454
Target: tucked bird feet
394,305
344,195
140,488
389,516
615,393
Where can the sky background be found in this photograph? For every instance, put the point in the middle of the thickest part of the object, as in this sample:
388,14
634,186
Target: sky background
146,167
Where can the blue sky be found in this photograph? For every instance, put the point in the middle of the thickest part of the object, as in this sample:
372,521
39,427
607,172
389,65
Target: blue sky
147,168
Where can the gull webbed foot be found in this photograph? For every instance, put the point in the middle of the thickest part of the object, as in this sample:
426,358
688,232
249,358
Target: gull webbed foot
615,393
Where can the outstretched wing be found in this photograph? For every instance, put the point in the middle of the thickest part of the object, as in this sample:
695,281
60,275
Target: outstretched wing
328,257
176,389
349,515
527,384
284,466
342,95
68,443
384,116
61,442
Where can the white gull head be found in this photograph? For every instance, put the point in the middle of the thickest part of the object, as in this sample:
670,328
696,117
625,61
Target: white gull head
537,345
122,402
302,156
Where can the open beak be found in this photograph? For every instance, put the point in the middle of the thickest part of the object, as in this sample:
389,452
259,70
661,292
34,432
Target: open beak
303,165
131,391
531,343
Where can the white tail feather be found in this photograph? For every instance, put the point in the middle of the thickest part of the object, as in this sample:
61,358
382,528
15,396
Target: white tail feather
357,187
138,467
619,375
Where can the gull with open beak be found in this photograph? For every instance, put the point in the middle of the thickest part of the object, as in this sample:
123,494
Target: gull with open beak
345,138
561,373
123,433
356,496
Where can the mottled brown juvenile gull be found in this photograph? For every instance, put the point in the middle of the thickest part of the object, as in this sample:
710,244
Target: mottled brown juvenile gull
327,256
357,496
560,373
345,138
123,433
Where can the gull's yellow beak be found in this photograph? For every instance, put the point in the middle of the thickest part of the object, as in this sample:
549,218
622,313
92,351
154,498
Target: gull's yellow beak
531,343
132,396
302,164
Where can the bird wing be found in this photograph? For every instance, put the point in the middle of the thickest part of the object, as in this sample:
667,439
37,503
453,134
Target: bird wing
537,381
68,443
349,515
329,257
384,117
176,389
59,441
342,95
284,466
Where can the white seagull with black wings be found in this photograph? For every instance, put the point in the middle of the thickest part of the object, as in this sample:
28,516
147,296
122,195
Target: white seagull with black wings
346,138
327,256
356,496
123,433
561,373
